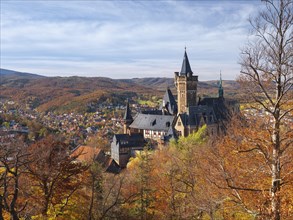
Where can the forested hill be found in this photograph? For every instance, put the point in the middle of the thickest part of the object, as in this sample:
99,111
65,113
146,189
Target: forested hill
76,93
11,74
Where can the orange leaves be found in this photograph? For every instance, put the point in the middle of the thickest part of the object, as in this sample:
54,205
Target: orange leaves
53,173
240,164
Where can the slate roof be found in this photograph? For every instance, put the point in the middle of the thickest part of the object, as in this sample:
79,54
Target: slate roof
198,115
152,112
219,106
112,166
126,140
208,111
169,104
185,69
209,101
152,122
201,114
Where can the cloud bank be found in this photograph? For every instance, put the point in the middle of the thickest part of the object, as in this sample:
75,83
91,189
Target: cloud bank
124,39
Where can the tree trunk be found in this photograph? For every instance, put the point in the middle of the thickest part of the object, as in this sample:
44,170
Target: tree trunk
276,169
275,180
92,198
1,207
47,199
13,215
13,212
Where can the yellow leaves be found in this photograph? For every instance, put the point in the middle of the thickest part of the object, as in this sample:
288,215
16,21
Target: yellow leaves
9,171
2,170
74,212
192,140
133,162
176,180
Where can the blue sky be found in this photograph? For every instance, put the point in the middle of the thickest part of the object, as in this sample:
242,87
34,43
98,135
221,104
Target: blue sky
124,39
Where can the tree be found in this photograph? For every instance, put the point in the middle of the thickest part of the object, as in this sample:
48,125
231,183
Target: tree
240,166
13,160
266,76
170,184
138,189
200,198
54,175
145,191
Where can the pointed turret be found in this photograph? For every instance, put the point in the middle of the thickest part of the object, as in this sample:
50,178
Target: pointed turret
169,104
127,119
186,69
220,89
127,114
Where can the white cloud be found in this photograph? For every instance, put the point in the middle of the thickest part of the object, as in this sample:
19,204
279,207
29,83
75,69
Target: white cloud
122,39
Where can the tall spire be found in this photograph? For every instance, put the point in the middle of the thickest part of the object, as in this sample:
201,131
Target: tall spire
127,114
186,69
221,90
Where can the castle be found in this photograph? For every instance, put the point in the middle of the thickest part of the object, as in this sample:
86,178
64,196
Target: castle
172,119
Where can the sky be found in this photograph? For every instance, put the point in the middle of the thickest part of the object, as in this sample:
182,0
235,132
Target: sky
124,39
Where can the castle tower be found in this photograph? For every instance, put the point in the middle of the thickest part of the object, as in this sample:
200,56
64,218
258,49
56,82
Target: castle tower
127,119
186,85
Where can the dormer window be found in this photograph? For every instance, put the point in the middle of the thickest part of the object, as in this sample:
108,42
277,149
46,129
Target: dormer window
124,142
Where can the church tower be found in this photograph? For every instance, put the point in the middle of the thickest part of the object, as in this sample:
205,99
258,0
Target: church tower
127,119
186,85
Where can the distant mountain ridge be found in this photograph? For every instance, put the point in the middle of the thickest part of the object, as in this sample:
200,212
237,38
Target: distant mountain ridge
158,83
162,83
75,93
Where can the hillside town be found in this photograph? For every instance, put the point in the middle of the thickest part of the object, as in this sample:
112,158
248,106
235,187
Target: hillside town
78,128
